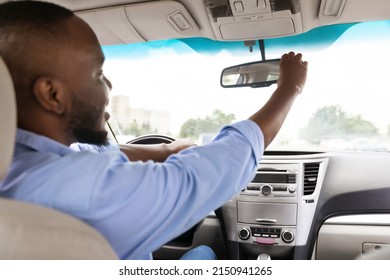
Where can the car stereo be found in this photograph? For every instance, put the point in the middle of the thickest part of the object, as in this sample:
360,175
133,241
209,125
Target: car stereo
273,183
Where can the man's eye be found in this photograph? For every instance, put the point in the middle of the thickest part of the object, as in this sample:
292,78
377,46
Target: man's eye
100,74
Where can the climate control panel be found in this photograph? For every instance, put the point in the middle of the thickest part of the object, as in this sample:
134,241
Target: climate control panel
266,235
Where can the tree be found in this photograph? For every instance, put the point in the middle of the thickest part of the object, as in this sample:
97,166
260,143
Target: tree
210,124
358,126
332,122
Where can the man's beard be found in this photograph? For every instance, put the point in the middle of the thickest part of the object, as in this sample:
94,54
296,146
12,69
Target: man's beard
84,123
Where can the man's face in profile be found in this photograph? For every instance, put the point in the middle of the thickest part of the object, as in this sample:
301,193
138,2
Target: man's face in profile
86,84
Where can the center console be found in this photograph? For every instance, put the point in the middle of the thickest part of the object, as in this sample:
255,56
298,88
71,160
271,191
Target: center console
274,212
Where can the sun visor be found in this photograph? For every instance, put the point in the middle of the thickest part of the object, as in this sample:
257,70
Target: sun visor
254,19
141,22
340,11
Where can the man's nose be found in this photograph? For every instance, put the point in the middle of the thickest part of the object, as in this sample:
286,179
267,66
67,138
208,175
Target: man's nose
106,116
108,83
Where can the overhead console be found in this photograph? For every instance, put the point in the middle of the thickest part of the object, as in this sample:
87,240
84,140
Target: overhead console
225,20
253,19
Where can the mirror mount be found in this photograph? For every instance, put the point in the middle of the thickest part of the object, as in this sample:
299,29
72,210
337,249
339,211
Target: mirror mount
250,44
262,49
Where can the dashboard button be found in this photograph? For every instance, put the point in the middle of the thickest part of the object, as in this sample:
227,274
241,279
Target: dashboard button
292,189
264,240
266,189
287,236
244,233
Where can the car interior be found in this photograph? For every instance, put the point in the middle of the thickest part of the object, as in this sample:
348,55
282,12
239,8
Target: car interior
306,201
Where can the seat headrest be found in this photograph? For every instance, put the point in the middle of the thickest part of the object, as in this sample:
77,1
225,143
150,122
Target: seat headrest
7,118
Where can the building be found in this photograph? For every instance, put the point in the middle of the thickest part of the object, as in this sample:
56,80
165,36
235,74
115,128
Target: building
136,121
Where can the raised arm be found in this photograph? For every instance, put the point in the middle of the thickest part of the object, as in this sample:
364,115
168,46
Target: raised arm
292,79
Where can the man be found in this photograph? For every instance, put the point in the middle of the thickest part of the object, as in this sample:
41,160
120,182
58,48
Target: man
56,63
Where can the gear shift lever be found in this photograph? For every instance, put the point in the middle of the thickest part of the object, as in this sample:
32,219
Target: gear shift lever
263,257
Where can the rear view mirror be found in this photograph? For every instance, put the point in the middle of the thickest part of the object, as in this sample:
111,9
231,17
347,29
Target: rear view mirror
254,74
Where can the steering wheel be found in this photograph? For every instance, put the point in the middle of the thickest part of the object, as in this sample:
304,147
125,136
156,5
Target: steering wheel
151,139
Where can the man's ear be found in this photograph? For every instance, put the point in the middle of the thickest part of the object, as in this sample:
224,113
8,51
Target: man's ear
50,94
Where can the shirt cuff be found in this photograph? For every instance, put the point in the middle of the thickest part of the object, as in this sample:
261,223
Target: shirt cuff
81,147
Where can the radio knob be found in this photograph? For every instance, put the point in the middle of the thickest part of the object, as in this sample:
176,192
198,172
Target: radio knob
292,189
244,233
266,189
287,236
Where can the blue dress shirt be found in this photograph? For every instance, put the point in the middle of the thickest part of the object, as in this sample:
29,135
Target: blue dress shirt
137,206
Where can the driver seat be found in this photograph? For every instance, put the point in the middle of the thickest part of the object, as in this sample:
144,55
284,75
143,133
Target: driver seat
29,231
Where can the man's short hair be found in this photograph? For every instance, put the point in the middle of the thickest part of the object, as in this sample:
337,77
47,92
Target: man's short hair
29,30
31,18
33,13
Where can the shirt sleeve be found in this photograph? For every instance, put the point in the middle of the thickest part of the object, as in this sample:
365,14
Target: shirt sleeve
155,202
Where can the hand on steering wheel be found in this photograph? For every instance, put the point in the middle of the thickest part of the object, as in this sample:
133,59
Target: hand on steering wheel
158,147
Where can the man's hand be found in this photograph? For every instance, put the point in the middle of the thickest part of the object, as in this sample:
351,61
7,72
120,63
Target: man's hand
179,145
292,71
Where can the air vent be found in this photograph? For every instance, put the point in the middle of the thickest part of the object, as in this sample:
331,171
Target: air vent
310,178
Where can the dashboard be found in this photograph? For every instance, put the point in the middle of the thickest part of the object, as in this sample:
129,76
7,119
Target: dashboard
293,198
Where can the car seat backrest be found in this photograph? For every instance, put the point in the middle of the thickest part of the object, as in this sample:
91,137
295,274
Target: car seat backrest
7,119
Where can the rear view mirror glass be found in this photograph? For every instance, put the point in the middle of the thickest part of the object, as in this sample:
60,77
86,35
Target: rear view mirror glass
254,74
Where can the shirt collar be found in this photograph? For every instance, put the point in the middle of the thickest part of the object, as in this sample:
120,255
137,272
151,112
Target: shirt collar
26,140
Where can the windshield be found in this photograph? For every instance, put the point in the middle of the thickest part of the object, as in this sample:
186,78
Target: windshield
173,87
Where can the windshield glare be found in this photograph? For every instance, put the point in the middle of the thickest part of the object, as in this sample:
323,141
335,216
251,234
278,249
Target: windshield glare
167,87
